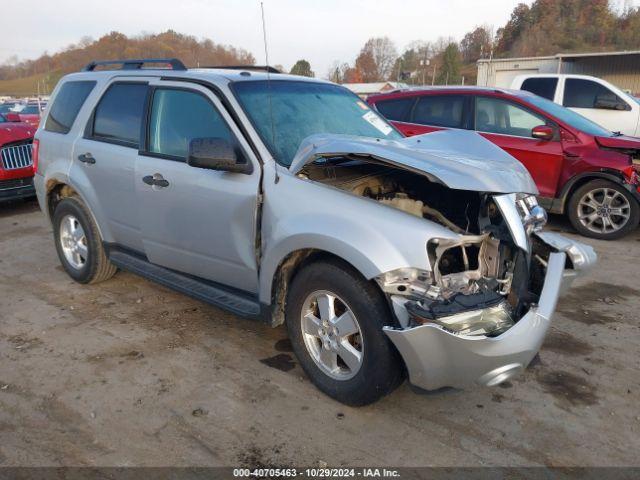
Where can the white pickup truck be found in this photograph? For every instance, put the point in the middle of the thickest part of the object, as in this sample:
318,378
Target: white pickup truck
591,97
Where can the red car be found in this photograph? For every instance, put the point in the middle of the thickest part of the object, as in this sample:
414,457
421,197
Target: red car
16,165
29,114
580,168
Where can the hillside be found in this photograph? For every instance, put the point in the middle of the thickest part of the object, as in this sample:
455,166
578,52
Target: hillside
22,78
27,86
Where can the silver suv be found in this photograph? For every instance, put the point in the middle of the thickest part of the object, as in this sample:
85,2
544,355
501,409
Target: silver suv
288,199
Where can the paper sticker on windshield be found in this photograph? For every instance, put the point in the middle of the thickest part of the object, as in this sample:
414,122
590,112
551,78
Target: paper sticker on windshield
377,122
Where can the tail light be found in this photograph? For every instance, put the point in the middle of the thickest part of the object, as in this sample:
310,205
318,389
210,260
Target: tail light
35,149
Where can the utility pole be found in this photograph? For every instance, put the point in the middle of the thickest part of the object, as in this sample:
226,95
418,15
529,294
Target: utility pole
433,77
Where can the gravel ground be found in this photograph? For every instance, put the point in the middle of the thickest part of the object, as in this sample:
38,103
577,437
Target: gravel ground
130,373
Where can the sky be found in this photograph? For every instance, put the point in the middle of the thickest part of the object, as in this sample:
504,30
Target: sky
319,31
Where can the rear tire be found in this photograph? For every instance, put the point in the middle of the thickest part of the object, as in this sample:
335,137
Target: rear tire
604,210
342,349
79,244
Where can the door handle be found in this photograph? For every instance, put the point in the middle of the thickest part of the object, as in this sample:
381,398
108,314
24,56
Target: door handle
87,158
155,180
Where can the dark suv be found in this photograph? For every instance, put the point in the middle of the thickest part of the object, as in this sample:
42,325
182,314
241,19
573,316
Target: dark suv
580,168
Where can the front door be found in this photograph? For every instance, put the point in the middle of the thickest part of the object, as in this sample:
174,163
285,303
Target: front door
509,126
601,105
197,221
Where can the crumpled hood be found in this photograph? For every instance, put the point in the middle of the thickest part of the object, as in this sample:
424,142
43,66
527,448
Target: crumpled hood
622,142
459,159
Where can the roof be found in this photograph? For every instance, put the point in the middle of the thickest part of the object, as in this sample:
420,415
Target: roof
562,56
211,74
443,88
373,86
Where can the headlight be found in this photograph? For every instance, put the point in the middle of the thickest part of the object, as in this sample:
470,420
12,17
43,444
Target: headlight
534,217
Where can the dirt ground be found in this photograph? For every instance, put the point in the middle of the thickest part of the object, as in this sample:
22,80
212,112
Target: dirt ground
130,373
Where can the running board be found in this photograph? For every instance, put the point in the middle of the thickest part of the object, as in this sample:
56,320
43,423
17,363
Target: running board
202,290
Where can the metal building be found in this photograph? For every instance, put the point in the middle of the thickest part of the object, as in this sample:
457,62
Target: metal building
619,68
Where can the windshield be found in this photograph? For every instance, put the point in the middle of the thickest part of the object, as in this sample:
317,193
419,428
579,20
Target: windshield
303,108
569,117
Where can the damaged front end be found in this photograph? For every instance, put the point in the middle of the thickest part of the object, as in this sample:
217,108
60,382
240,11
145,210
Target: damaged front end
477,310
483,309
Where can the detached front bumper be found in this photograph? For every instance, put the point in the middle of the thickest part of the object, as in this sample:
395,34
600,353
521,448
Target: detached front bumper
436,358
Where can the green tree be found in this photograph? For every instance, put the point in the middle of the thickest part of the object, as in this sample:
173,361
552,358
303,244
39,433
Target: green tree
302,67
449,73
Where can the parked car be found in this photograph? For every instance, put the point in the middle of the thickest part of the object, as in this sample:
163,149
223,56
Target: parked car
581,169
16,169
7,107
288,199
591,97
29,114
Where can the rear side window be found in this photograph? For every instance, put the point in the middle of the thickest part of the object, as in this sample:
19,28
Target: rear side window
579,93
118,116
178,116
66,105
543,87
398,109
439,110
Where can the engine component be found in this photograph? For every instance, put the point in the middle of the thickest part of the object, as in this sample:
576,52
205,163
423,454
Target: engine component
401,201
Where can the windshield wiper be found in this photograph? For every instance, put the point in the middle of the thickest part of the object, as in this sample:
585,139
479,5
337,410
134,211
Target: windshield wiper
617,134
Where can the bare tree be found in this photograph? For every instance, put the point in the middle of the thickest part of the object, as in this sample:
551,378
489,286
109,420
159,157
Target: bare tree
377,59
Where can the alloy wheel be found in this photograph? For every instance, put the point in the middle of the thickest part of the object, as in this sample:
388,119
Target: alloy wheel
604,210
332,335
73,242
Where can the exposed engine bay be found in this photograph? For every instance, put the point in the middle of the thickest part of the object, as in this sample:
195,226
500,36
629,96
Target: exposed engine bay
480,283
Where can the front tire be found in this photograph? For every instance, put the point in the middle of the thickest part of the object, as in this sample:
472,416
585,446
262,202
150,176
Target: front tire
334,319
78,243
604,210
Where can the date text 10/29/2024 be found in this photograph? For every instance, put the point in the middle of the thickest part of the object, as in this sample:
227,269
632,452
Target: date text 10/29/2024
316,473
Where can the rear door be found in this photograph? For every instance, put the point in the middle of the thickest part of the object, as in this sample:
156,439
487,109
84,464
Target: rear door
201,222
508,125
545,87
105,157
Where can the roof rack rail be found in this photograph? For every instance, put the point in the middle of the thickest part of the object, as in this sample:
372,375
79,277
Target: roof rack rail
135,64
257,68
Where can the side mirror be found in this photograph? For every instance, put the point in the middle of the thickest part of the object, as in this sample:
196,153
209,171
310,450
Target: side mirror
609,102
543,132
216,154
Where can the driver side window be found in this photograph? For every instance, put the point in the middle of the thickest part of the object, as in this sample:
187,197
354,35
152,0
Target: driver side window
494,115
177,117
579,93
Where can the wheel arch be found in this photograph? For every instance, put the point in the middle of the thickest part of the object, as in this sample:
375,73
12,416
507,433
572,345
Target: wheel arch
56,190
274,284
576,182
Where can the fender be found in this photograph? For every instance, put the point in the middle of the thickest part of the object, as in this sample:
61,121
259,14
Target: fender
372,237
558,204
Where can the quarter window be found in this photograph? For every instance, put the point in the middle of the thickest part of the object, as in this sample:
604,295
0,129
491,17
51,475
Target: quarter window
397,109
579,93
439,110
118,116
66,106
177,117
543,87
494,115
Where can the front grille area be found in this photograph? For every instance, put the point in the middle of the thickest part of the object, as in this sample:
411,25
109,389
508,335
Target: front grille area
16,156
